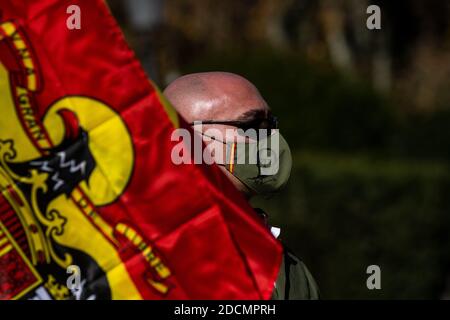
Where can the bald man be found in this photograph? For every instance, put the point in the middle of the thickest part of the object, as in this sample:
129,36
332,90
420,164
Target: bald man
226,103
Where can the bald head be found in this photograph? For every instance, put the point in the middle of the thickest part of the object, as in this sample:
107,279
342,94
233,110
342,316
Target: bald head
214,95
217,96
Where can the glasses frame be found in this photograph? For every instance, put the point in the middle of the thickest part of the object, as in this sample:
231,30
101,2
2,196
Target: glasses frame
243,124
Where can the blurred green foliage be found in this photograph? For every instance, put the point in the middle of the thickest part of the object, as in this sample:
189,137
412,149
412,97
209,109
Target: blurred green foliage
322,109
424,136
317,107
369,184
341,214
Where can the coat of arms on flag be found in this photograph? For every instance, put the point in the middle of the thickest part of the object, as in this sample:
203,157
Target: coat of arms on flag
86,178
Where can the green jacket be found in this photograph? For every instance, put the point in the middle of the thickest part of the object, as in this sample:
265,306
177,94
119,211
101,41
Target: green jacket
294,281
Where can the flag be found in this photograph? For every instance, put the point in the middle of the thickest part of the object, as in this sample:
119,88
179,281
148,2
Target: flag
91,205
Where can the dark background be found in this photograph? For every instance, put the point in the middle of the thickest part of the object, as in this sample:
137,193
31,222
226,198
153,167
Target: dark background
366,113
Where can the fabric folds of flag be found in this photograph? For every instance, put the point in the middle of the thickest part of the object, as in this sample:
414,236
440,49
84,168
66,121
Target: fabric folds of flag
91,205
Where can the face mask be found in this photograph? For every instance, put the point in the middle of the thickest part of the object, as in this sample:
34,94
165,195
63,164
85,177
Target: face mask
263,165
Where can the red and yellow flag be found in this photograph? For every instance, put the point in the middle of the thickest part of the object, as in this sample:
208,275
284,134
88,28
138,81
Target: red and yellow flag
89,194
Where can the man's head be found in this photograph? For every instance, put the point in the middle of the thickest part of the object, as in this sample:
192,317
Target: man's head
219,96
214,95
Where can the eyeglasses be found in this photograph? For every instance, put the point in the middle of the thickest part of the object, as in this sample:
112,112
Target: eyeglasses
269,123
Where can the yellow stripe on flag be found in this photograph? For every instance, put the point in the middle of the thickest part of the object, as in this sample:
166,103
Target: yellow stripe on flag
5,250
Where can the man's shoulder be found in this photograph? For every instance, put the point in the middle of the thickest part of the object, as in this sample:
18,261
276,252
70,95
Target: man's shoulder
294,281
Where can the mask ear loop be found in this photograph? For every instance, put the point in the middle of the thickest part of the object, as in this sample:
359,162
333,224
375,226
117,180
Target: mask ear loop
232,153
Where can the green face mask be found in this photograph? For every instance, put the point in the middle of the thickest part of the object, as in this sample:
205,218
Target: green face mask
263,165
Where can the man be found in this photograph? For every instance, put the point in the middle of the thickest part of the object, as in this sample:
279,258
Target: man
227,102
